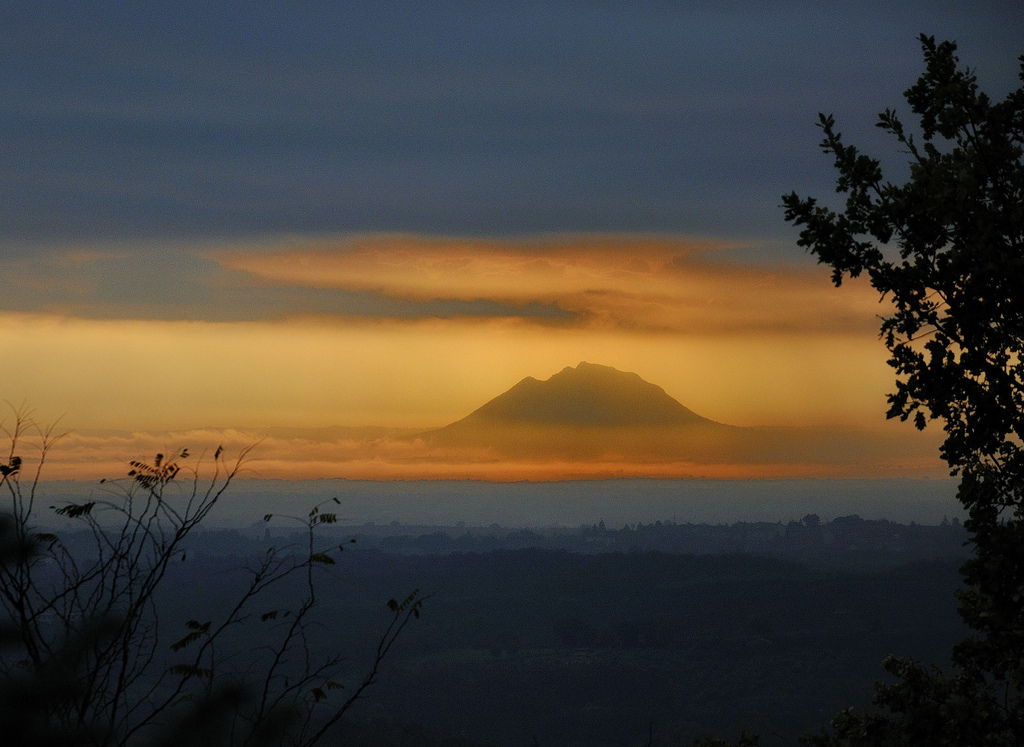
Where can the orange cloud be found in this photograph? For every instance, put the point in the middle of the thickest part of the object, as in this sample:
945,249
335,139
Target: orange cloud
653,284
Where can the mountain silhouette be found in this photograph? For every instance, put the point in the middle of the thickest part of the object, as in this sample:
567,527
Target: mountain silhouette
588,395
594,413
588,412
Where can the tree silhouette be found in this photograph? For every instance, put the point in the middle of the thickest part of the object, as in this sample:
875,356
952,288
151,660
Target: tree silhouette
947,249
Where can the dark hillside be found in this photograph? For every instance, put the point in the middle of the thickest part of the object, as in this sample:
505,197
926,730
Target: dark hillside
582,648
587,648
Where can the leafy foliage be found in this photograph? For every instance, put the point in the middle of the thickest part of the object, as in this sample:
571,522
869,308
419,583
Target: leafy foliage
947,248
955,334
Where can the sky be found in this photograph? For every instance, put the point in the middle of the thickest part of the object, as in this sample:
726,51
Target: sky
243,216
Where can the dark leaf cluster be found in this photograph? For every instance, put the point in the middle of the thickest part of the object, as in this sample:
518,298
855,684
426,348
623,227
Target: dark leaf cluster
946,248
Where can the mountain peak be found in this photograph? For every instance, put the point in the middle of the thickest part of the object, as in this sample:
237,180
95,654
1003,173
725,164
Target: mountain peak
587,395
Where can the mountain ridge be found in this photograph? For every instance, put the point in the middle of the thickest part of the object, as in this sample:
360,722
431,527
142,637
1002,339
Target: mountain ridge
589,395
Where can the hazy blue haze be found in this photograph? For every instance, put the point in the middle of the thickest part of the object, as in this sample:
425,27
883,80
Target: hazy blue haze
572,503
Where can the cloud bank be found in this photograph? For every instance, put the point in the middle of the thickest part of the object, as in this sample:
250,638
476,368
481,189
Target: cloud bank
392,455
641,283
645,283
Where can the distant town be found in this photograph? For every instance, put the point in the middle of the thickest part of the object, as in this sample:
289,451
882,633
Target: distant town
845,542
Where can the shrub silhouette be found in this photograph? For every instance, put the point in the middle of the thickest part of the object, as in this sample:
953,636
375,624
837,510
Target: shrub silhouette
84,653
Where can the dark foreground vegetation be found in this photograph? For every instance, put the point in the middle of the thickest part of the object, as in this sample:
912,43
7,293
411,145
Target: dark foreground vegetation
946,247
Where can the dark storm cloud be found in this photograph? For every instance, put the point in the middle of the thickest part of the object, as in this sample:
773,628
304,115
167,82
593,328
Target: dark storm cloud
191,121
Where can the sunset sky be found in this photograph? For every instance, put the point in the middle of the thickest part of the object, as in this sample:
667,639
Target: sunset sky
290,214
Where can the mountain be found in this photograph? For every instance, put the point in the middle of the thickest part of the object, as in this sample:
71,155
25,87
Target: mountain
594,413
589,412
588,395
